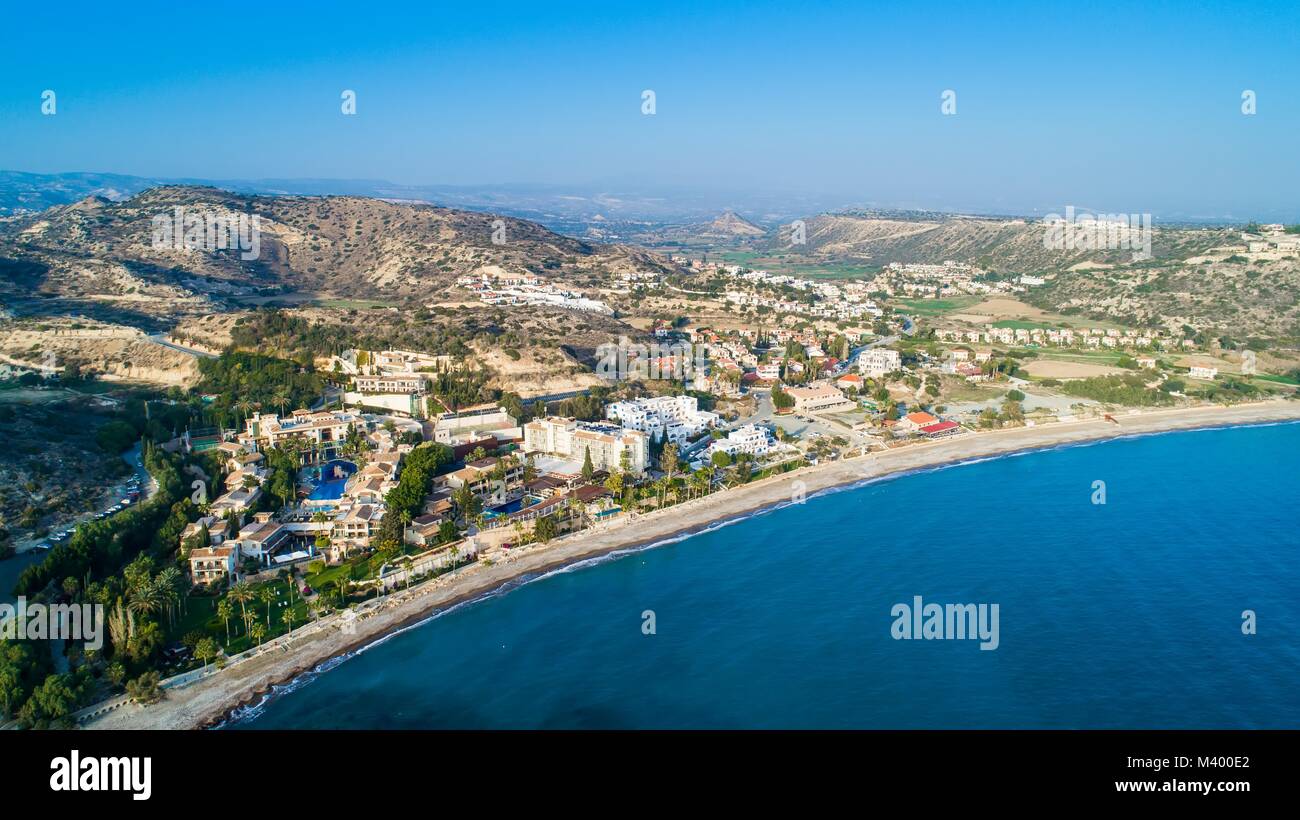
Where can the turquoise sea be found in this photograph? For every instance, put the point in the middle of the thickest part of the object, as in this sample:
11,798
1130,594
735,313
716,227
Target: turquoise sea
1126,614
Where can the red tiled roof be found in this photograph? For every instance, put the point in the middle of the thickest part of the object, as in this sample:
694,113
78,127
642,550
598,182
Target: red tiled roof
941,427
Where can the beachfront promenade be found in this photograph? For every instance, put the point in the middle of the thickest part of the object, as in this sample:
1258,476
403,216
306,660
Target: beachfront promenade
206,700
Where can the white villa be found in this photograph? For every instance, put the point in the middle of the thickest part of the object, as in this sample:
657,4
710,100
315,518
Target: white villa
750,439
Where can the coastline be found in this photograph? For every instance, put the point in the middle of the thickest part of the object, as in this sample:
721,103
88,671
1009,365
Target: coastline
211,698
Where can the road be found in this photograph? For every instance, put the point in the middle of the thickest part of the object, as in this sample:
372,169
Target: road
161,339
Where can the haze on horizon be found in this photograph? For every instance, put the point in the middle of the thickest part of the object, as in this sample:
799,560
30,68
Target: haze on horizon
1132,109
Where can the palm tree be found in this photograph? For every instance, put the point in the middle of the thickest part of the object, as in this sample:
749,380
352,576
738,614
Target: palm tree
243,593
288,619
172,584
267,596
205,650
225,610
146,599
257,632
242,408
281,400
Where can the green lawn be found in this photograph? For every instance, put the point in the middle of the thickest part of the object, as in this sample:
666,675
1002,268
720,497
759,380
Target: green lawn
937,307
1276,379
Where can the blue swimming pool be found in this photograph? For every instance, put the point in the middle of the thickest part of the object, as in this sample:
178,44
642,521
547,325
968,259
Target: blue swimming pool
331,479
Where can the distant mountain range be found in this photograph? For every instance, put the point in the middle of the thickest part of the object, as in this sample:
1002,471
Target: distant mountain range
562,207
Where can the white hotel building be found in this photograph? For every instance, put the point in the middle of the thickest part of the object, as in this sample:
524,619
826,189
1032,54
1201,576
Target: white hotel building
573,439
878,361
676,418
750,439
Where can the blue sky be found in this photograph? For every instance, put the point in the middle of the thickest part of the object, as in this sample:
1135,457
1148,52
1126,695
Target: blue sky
1128,107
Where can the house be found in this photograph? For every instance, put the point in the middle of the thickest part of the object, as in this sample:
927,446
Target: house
850,380
424,529
211,565
770,372
237,501
1202,372
914,421
1146,361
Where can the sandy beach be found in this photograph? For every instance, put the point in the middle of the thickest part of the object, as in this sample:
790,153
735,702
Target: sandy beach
209,699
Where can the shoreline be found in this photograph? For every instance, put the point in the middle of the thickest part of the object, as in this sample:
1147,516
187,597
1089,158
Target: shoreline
211,699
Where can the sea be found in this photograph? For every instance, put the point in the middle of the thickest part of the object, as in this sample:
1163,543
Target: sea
1144,582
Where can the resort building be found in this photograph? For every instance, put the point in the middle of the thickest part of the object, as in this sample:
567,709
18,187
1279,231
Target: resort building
675,418
261,539
393,383
319,434
610,446
475,424
818,398
750,439
237,501
493,481
1201,372
878,361
210,565
354,528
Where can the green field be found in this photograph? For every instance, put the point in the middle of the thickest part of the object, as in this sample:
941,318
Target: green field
1270,377
797,265
937,307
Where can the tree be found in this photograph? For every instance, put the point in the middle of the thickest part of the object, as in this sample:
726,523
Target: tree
587,469
781,400
668,461
206,650
145,689
257,632
268,597
545,529
225,610
243,593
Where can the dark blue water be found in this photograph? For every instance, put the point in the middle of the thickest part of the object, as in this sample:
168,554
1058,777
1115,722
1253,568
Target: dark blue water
1124,615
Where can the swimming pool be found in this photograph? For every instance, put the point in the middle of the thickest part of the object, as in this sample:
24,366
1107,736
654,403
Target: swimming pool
331,480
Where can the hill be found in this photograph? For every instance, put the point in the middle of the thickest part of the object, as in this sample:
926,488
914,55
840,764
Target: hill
102,250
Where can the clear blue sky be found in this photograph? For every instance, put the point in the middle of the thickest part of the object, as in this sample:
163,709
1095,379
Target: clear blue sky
1113,106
